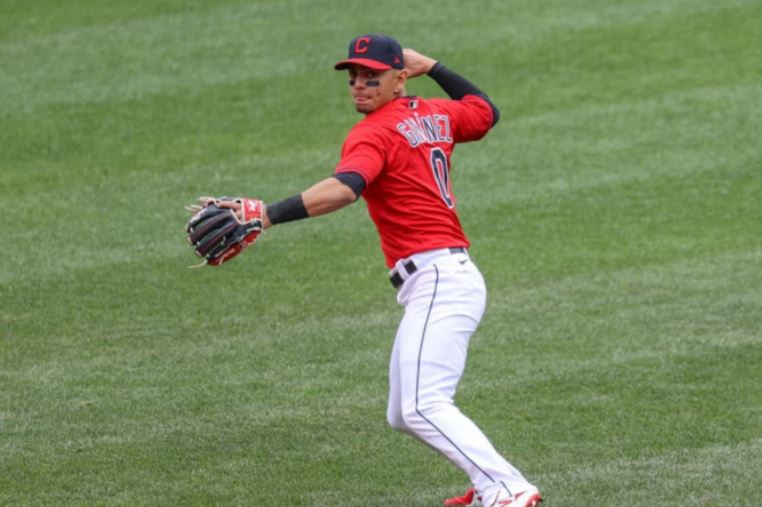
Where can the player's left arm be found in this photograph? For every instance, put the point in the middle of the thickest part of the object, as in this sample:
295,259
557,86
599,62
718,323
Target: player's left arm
325,196
221,228
362,149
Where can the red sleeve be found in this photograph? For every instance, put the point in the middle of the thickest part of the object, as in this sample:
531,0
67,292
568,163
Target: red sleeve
363,152
472,118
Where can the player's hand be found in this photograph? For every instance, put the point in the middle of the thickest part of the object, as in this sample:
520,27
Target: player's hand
416,63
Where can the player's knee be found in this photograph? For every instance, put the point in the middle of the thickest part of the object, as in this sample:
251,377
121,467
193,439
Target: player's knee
413,419
417,418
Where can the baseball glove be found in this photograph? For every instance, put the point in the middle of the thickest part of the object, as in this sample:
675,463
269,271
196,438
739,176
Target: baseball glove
217,232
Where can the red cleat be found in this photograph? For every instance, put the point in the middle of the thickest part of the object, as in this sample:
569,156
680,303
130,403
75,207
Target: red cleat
469,499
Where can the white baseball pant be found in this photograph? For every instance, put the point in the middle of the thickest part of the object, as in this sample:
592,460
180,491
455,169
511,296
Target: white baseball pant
444,301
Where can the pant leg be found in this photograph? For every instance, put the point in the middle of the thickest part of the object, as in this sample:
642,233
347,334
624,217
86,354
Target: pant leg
443,307
394,407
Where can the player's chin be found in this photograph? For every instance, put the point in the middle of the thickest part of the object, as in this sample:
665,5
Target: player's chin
364,105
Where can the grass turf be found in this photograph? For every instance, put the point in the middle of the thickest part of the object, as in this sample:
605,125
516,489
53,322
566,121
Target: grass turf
615,212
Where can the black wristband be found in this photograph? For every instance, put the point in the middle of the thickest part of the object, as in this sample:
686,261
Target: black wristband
287,210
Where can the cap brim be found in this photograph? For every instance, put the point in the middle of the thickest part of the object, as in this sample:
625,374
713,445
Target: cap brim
371,64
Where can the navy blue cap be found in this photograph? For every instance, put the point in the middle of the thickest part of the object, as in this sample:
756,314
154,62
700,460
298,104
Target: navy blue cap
375,51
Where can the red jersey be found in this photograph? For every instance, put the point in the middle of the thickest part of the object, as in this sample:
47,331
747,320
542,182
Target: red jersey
402,150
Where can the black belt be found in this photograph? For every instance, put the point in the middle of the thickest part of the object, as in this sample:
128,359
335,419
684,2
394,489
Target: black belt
411,268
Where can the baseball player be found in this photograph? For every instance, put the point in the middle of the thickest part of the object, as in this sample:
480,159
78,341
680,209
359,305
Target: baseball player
398,159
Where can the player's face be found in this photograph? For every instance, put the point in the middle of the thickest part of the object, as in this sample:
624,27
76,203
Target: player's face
372,89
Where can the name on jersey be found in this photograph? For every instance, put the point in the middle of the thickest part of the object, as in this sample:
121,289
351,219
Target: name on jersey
429,129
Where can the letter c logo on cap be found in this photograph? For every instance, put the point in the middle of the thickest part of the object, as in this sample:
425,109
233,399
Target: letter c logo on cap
361,46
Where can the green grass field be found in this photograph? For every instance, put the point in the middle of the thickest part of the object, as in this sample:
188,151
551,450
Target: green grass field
616,213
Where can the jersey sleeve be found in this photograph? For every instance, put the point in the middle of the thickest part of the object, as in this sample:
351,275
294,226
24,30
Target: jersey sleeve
363,153
472,118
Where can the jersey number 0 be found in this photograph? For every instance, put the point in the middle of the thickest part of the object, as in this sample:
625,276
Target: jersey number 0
441,170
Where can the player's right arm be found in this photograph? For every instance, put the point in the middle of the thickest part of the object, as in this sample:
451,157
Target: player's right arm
456,86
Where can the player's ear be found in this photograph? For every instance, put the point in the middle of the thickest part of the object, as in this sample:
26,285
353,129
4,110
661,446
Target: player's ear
400,80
